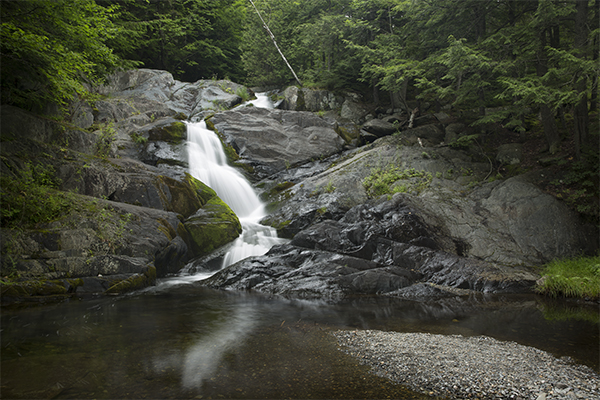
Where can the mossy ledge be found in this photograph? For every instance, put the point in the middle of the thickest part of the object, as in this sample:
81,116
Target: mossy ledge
34,289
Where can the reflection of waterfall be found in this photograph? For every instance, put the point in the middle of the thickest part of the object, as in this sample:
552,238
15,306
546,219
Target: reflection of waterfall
208,163
202,359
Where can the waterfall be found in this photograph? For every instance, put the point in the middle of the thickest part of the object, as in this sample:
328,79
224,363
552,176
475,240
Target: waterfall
208,163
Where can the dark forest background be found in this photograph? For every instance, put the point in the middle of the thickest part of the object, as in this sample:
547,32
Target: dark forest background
522,59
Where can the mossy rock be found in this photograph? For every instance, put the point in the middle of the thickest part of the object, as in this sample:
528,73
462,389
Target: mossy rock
135,282
185,197
211,227
174,132
349,133
40,287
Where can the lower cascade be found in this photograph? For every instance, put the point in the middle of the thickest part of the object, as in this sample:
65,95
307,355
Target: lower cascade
208,163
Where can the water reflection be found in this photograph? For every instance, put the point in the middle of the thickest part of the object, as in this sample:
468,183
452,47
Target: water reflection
199,362
181,340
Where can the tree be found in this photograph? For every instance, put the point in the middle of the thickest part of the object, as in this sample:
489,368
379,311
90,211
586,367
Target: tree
50,48
192,39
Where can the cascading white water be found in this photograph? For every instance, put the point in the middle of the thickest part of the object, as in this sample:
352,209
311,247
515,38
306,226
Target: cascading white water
208,163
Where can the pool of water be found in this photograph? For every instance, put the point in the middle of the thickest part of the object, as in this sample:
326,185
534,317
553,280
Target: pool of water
181,340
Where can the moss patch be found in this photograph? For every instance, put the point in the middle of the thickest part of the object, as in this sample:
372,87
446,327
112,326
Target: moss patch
577,277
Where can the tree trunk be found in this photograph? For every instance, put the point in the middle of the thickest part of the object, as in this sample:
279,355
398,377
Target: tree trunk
275,43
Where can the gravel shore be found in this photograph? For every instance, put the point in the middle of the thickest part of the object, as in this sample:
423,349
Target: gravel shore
460,367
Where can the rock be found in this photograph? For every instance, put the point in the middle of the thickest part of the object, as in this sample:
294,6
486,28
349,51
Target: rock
211,227
509,223
353,111
272,140
82,114
510,153
430,135
379,127
127,215
293,99
349,132
305,99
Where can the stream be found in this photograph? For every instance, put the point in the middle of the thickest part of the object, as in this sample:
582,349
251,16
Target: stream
179,339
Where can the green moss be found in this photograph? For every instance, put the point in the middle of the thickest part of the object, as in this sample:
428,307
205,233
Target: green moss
39,287
184,197
279,225
166,228
280,187
213,226
347,134
173,133
204,192
393,180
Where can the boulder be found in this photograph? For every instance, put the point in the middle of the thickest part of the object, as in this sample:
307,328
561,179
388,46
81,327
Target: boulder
379,127
510,223
354,111
273,140
211,227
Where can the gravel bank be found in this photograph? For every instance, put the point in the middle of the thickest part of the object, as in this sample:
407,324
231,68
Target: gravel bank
470,367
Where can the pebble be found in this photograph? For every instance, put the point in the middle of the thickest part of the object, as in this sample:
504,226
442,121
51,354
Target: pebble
477,367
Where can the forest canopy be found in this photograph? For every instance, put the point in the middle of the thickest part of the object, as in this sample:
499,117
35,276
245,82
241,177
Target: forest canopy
515,56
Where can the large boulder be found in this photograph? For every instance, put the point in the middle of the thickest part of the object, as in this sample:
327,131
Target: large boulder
508,222
273,140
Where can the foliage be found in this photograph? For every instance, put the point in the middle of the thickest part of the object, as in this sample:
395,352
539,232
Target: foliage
578,277
50,48
464,141
579,185
104,144
385,181
243,93
32,197
192,39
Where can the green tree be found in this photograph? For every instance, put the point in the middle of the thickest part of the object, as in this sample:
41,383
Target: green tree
192,39
51,48
528,57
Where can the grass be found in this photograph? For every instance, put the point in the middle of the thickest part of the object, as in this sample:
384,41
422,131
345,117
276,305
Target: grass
576,277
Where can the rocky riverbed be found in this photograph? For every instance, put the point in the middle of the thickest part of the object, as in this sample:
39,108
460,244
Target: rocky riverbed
461,367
